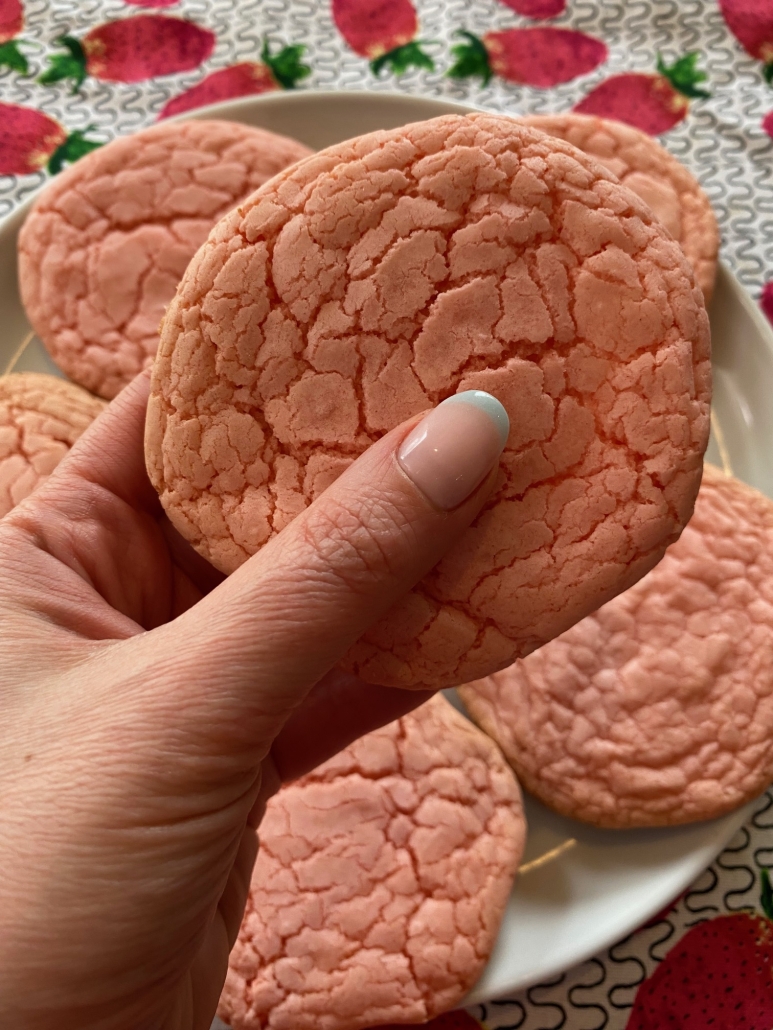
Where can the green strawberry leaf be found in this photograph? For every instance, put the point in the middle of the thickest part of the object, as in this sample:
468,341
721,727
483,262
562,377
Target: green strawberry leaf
471,59
684,76
766,895
76,145
767,71
12,58
71,65
286,65
402,58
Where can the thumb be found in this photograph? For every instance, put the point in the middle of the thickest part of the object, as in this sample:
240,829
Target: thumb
252,649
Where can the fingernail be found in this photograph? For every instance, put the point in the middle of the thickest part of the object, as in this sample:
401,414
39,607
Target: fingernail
451,451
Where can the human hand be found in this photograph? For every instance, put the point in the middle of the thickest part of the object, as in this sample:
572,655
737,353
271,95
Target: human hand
149,710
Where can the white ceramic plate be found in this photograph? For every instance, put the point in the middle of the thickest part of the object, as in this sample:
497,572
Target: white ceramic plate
579,889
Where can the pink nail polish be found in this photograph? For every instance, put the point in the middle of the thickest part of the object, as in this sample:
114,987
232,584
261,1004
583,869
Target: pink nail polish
453,448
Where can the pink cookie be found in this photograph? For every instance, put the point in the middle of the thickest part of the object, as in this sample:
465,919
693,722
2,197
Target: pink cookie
644,166
380,882
107,242
387,273
41,417
658,709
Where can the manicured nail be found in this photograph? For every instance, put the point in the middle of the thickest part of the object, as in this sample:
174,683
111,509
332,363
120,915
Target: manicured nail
452,450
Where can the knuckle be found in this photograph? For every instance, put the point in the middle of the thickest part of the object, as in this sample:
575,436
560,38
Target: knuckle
362,546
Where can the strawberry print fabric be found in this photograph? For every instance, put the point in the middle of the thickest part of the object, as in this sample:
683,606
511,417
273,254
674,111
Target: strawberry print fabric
698,74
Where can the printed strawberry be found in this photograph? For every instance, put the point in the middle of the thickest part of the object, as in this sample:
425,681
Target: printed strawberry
30,140
132,50
280,71
458,1020
652,103
11,24
382,30
751,22
720,974
767,123
766,299
540,10
536,57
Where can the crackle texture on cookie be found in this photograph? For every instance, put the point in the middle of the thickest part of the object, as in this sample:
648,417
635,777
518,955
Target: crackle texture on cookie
646,167
41,417
379,277
380,882
658,709
105,245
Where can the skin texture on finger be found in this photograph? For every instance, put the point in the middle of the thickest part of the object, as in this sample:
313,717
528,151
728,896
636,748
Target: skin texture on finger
113,458
339,566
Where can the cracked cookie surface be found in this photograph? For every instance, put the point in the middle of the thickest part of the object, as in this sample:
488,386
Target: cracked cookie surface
106,243
644,166
384,274
658,709
380,882
41,417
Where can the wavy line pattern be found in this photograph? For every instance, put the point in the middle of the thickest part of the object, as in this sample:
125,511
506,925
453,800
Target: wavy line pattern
546,1013
581,997
630,971
516,1014
740,880
666,929
721,140
763,823
700,889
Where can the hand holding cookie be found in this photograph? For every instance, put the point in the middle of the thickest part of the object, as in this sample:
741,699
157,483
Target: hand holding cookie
151,709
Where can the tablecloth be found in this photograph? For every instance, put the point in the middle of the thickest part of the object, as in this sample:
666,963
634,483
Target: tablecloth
698,73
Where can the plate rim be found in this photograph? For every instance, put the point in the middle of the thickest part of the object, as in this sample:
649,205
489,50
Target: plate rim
702,858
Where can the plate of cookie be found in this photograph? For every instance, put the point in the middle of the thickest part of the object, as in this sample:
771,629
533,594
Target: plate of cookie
640,734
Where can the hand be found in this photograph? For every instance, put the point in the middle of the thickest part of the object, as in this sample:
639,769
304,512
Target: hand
148,710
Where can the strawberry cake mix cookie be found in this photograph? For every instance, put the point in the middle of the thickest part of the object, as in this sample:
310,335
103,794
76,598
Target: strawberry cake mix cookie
105,245
41,417
658,709
380,882
647,168
387,273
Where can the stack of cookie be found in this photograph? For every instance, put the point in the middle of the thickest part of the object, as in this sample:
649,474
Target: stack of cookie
560,263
